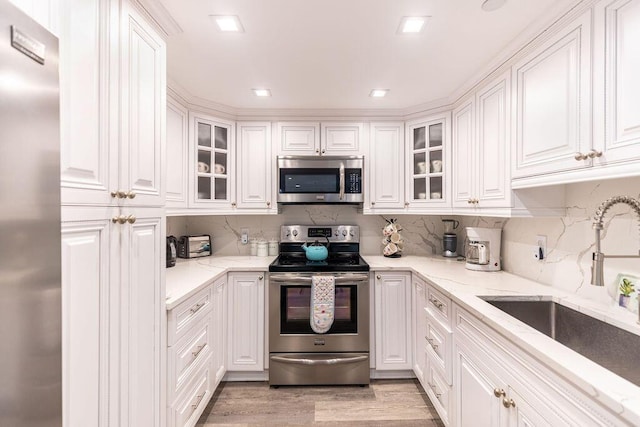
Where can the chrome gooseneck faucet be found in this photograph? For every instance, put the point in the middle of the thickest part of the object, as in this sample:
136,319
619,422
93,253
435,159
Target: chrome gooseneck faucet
597,276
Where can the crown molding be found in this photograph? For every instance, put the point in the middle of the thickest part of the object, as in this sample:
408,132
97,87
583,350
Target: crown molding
161,17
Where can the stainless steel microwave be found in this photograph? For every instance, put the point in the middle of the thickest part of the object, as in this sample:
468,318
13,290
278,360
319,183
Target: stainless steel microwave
327,179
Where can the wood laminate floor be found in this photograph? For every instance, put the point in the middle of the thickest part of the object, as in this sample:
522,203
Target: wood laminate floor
384,403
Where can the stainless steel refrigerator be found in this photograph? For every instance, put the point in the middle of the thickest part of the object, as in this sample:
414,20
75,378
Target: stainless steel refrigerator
30,294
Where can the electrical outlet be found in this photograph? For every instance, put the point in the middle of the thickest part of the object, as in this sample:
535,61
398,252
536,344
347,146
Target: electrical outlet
540,250
244,236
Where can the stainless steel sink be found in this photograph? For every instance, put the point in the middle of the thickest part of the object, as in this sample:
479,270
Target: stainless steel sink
606,345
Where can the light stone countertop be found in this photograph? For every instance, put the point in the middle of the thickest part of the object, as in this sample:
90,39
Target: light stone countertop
464,286
188,276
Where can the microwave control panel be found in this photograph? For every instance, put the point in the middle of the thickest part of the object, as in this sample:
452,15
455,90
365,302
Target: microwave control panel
353,181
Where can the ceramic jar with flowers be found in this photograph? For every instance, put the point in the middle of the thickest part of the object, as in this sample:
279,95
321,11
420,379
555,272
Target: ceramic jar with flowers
391,239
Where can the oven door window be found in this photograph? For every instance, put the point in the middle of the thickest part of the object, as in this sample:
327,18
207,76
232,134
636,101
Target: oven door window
295,309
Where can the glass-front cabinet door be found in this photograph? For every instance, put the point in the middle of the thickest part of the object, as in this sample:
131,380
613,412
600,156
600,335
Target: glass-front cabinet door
213,160
427,162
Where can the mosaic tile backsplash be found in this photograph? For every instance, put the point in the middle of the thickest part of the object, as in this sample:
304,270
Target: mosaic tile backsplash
570,239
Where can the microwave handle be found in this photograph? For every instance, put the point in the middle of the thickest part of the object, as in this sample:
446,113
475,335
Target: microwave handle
341,181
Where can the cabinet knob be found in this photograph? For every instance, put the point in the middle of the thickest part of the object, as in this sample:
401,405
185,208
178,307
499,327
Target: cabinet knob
469,201
594,153
121,219
508,403
317,150
131,219
323,151
406,204
498,392
268,204
378,277
130,195
260,277
118,194
373,203
476,201
579,157
233,204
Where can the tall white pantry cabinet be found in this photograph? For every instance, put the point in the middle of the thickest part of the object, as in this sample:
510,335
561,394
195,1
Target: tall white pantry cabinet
113,99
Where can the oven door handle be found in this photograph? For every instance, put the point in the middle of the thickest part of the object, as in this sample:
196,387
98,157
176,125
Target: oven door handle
301,279
333,361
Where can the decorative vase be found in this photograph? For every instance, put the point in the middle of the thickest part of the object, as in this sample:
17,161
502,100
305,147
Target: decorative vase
623,301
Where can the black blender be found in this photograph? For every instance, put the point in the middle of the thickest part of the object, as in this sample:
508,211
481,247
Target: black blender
450,239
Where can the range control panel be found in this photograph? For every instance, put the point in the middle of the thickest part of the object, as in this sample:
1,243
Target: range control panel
305,233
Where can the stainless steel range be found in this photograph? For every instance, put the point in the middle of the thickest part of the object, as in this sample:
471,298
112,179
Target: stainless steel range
299,356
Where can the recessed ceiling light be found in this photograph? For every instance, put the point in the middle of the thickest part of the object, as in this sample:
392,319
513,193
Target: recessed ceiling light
491,5
378,93
228,23
412,24
262,92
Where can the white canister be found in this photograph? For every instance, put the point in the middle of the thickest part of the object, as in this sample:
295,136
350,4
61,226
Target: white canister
254,247
263,248
273,247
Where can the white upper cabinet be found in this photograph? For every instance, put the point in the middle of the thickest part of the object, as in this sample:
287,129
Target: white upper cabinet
428,165
177,160
212,163
298,138
463,148
142,110
113,100
314,139
385,171
340,138
89,138
253,183
480,148
617,81
552,101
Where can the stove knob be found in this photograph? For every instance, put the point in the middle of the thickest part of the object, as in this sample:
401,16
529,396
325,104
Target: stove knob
344,232
351,233
294,232
337,234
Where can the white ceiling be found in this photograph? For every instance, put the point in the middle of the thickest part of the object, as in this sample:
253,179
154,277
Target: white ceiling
330,53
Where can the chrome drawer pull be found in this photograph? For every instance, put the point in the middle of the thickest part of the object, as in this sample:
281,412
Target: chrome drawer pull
433,346
197,307
195,405
198,351
437,303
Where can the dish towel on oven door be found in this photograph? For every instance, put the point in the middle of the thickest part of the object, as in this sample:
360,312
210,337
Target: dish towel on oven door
323,295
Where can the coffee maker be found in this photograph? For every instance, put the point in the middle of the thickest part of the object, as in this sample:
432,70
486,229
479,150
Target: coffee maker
482,249
450,239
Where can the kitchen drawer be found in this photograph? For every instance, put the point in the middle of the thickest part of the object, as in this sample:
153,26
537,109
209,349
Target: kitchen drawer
439,393
191,404
439,306
181,318
187,355
439,344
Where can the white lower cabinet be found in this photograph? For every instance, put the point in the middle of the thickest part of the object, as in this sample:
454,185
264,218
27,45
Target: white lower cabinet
392,320
437,344
113,300
496,384
246,322
419,327
195,398
196,353
219,328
